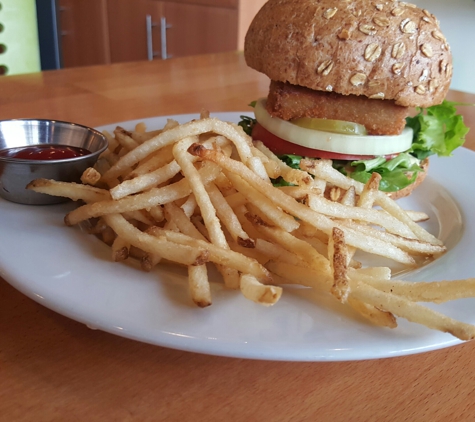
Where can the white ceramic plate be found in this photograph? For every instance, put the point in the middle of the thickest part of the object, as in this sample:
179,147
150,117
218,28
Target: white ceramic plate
70,272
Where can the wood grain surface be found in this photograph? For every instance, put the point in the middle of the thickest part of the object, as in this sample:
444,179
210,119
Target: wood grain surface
55,369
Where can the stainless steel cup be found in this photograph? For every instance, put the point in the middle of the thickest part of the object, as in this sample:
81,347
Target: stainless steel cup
16,173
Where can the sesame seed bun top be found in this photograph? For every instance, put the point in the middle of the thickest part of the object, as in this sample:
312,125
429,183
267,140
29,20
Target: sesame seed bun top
380,49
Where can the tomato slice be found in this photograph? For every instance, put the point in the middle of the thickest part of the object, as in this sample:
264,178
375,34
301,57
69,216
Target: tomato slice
280,147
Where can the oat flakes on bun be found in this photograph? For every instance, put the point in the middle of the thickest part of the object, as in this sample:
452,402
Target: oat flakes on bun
346,77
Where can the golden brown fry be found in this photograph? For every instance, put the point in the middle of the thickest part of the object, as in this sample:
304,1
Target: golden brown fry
153,162
301,237
125,139
199,285
337,255
290,242
90,176
372,216
218,255
232,132
72,191
319,221
429,291
372,313
120,249
324,170
180,253
151,198
266,206
265,295
369,192
145,181
289,174
149,261
228,217
412,311
176,215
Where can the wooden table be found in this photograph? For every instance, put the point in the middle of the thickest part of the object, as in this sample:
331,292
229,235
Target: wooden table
55,369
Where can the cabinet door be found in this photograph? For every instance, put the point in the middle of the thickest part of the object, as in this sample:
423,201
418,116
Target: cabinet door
84,33
196,29
130,39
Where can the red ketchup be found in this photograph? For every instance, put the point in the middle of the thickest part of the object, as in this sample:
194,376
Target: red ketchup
44,152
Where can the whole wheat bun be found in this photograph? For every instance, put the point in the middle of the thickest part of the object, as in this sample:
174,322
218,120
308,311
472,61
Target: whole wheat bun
409,189
380,49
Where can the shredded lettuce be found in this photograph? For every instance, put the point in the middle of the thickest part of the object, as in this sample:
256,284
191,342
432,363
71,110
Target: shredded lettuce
394,172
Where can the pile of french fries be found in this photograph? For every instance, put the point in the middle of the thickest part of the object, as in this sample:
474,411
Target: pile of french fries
201,192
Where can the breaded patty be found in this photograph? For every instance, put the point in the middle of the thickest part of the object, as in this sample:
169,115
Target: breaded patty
380,117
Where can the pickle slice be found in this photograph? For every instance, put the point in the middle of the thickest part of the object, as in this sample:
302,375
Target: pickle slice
329,125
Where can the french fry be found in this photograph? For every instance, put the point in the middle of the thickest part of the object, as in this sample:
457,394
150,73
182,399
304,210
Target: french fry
145,181
412,311
290,242
323,169
216,254
168,137
199,285
180,253
372,216
265,295
273,213
201,192
228,217
337,255
428,291
120,249
293,207
125,139
369,192
90,176
151,198
72,191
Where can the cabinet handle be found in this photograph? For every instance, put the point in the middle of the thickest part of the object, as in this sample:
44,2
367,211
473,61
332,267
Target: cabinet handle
149,24
163,37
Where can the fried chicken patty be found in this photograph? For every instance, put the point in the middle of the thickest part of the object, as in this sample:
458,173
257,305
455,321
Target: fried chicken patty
380,117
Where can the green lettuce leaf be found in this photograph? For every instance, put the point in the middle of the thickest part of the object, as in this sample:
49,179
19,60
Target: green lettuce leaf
394,172
437,130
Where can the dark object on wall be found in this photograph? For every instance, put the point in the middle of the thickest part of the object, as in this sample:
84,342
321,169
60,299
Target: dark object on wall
49,34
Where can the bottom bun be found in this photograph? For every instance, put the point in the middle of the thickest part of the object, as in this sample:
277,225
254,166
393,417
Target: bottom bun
408,189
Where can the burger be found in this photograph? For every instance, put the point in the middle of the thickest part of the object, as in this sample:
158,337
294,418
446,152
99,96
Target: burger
359,82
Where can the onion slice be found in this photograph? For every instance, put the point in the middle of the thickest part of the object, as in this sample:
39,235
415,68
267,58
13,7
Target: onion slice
333,142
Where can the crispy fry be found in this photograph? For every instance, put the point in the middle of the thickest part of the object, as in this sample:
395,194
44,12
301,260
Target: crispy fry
258,292
412,311
72,191
337,254
274,214
180,253
199,285
151,198
218,255
201,192
90,176
120,249
313,218
323,169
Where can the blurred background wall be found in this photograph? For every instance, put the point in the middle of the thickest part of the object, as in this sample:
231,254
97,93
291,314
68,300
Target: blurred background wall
457,22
